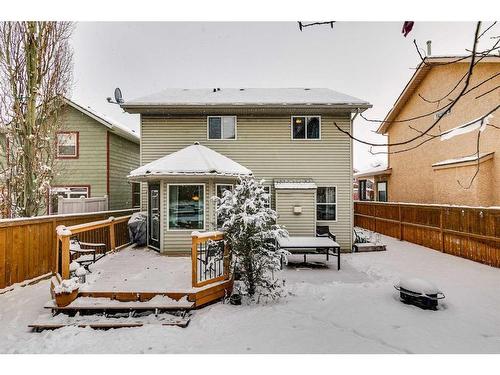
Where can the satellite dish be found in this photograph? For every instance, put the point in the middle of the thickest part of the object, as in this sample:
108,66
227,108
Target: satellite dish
118,95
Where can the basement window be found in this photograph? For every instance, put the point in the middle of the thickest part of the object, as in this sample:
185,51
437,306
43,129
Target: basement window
221,127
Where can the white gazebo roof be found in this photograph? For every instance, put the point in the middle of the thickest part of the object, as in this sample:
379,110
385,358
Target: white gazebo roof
194,160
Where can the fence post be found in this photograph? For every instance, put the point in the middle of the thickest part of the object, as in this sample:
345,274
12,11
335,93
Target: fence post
65,257
400,223
194,259
112,236
441,233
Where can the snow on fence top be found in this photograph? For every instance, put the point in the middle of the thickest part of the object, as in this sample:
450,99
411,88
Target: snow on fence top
247,96
192,160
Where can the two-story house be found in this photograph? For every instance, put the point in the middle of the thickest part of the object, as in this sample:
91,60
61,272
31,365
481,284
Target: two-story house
196,142
441,169
94,155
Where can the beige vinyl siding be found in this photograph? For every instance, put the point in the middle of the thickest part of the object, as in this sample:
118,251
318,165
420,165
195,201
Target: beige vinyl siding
265,146
303,224
123,158
90,167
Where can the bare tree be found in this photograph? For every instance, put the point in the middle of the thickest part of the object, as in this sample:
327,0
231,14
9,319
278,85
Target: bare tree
35,72
451,98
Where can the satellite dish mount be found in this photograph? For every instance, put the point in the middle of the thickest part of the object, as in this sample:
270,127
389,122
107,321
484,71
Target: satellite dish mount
118,97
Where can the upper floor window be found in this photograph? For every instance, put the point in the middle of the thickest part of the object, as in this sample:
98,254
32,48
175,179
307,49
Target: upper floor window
306,127
67,144
221,127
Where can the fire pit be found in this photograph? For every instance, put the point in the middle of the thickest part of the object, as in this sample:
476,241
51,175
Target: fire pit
420,293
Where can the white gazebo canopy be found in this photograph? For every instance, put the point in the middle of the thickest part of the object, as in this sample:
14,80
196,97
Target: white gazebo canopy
194,160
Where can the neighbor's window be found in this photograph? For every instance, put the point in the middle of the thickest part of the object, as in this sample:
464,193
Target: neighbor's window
67,144
136,194
221,127
362,190
382,191
326,203
220,189
65,192
186,207
306,127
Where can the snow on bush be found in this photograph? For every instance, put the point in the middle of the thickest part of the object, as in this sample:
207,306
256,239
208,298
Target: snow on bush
67,286
251,233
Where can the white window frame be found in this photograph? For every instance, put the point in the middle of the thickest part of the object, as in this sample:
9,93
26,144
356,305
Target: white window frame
336,204
306,117
232,188
77,139
270,195
167,203
222,129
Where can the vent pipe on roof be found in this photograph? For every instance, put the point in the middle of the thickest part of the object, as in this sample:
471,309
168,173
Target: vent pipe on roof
429,49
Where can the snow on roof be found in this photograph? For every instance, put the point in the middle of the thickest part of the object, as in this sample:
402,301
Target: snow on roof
105,120
464,159
381,169
247,96
192,160
295,184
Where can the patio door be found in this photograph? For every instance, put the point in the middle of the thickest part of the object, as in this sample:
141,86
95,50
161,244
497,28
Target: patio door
154,215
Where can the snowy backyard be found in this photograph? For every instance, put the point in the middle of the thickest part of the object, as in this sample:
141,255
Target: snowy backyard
354,310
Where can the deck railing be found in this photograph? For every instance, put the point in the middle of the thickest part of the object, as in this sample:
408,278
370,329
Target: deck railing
209,256
112,232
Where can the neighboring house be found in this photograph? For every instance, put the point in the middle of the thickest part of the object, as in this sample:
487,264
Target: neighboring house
371,184
285,136
94,156
431,173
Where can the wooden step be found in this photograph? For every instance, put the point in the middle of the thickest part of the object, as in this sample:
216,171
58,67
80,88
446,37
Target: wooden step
101,322
90,303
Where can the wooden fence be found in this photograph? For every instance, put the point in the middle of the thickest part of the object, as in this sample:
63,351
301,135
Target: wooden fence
471,233
28,245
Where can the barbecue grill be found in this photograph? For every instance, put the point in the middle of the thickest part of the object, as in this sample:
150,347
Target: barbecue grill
420,293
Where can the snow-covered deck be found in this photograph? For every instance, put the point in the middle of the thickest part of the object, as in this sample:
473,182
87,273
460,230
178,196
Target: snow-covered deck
139,269
354,310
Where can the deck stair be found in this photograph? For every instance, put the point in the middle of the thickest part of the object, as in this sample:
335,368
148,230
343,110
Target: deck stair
109,321
105,313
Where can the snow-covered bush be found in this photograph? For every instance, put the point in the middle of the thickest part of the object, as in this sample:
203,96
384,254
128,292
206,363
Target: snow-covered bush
251,233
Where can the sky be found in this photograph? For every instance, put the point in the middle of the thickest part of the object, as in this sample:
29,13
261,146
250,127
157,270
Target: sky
368,60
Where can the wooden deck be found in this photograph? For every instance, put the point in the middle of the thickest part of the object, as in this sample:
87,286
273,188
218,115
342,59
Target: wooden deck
137,283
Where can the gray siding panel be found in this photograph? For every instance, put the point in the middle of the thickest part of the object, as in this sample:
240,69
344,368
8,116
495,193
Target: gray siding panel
265,146
303,224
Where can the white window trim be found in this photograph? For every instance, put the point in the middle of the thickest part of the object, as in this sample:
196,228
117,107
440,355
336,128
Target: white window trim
221,129
336,204
306,117
72,156
270,195
232,188
204,206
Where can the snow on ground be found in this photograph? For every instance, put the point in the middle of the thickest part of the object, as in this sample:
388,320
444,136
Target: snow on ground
354,310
